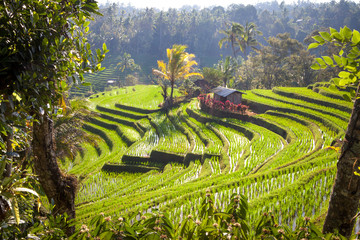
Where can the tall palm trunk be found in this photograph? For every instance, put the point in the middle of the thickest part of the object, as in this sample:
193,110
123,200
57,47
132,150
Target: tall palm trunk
233,49
345,196
172,82
58,188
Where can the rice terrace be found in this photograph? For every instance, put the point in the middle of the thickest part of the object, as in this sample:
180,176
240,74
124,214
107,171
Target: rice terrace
167,160
209,122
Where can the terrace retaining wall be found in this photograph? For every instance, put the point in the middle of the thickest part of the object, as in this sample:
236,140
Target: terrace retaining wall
135,109
118,168
135,159
165,157
120,113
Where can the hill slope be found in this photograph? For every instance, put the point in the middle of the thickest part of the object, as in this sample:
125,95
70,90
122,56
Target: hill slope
277,158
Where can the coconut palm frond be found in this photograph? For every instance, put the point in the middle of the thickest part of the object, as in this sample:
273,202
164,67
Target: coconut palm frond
69,134
179,66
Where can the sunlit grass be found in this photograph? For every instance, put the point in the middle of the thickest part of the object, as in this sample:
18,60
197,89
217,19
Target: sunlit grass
282,168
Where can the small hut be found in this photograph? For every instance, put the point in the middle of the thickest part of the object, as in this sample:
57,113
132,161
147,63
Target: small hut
223,94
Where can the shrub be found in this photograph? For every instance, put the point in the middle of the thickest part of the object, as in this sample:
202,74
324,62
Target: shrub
209,223
210,103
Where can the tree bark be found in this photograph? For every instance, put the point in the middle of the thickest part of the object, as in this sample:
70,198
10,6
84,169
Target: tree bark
172,82
345,196
58,188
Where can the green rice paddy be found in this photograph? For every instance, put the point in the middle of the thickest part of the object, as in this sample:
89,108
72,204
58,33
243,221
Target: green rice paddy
167,159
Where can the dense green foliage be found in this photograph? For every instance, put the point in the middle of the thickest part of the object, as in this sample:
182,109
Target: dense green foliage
347,59
43,48
210,223
180,66
147,33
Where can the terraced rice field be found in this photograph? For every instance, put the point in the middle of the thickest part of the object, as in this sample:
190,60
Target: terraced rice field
157,159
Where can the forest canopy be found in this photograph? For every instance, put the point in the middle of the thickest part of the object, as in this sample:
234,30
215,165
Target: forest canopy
145,34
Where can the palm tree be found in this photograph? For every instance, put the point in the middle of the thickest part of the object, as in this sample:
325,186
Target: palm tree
69,134
179,66
233,36
248,38
239,36
127,64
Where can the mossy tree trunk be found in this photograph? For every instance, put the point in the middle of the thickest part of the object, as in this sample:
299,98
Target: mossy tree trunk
345,196
58,188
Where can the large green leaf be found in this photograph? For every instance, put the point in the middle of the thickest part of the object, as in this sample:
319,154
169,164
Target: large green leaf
328,60
333,30
337,59
15,209
321,62
346,32
319,39
355,37
337,36
344,82
336,81
352,56
326,36
315,66
28,190
344,61
344,74
313,45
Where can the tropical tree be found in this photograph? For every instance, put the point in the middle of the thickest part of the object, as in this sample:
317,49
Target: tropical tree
248,38
251,73
213,76
240,37
180,66
234,33
277,60
69,134
127,64
227,68
43,45
298,68
345,196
